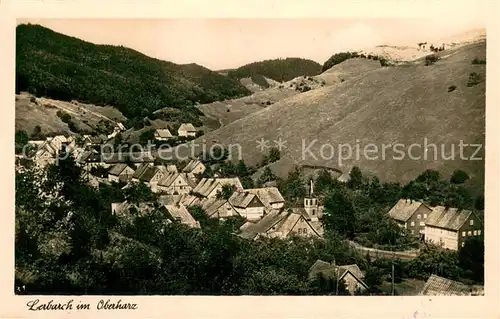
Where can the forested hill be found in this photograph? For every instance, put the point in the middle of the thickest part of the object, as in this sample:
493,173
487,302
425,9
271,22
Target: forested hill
54,65
278,69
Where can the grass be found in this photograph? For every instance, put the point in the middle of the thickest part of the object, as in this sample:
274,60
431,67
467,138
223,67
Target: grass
382,106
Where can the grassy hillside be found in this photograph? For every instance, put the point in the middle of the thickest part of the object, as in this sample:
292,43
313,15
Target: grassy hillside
65,68
399,104
277,69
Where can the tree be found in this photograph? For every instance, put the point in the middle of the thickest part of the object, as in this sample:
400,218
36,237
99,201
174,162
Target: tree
274,155
459,177
21,139
431,59
471,258
226,191
37,133
138,193
324,181
355,178
267,176
339,216
293,188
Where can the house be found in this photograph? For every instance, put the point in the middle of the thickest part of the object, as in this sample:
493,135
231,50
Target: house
127,208
209,187
350,274
50,148
109,158
120,173
247,204
186,129
151,177
195,166
163,134
269,196
281,224
141,169
450,227
89,140
439,286
411,215
218,208
176,183
180,214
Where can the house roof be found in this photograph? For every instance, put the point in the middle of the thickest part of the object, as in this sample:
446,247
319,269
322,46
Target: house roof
332,271
211,206
439,286
141,170
95,139
169,199
207,185
121,157
179,211
125,206
285,226
163,132
188,127
251,230
447,218
192,165
267,195
404,209
242,199
117,169
149,173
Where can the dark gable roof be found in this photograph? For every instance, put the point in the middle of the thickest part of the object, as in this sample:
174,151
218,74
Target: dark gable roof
117,169
149,173
447,218
439,286
140,170
404,209
331,271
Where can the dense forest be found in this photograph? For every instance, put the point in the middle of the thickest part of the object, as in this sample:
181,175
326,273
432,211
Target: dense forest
342,56
69,242
57,66
278,69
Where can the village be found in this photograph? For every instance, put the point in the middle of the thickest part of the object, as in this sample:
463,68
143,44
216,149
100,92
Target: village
181,186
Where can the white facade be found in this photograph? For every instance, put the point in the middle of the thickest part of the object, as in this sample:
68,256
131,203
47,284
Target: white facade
447,238
251,213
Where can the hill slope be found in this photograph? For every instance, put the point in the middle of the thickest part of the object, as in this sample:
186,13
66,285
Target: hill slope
400,104
65,68
278,70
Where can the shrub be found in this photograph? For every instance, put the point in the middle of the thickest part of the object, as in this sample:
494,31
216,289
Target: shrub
478,61
459,177
431,59
452,88
474,79
383,62
65,117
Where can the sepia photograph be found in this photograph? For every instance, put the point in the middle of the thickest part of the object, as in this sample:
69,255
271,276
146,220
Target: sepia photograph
249,157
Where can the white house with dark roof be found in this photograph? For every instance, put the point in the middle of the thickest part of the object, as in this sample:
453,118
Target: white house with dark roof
120,173
411,214
163,134
209,187
180,214
195,166
176,183
218,208
186,129
269,196
450,227
248,205
282,224
351,275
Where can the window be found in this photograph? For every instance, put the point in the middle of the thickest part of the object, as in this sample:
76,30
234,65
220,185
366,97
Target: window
425,216
422,224
463,234
418,216
479,233
304,230
313,211
469,233
475,233
463,243
471,222
412,224
306,201
299,230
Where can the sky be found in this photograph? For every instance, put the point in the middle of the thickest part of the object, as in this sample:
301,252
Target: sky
230,43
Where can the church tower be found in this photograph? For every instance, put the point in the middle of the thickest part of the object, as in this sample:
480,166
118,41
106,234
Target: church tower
311,205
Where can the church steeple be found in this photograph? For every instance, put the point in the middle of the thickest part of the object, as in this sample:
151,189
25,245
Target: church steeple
311,203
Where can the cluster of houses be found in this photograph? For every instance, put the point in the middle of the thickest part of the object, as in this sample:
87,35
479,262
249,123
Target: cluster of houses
262,208
446,226
185,130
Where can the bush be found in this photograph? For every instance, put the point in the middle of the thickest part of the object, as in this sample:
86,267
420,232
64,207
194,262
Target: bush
431,59
478,61
65,117
474,79
459,177
452,88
